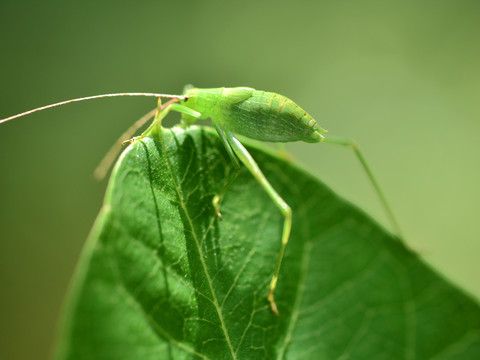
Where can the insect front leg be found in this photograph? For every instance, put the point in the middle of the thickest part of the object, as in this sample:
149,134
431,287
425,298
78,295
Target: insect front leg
251,165
107,161
162,112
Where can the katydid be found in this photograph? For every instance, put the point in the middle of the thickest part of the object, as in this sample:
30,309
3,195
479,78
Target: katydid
255,114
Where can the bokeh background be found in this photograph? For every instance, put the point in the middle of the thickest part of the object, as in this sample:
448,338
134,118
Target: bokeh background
400,77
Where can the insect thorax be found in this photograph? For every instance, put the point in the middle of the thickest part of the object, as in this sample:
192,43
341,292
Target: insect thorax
204,101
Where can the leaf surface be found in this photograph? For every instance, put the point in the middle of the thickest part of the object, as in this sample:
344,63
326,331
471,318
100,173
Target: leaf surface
162,278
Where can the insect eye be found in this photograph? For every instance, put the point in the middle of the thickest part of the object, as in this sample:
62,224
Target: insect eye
186,98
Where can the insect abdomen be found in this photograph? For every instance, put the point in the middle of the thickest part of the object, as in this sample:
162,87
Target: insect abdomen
272,117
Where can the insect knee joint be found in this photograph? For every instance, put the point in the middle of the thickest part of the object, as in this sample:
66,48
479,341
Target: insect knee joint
353,144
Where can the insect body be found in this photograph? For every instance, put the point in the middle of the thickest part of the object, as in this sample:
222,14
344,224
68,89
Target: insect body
256,114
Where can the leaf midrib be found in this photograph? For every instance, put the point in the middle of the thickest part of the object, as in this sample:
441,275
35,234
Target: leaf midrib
197,243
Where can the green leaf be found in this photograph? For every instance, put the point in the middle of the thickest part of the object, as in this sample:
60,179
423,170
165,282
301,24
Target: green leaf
162,278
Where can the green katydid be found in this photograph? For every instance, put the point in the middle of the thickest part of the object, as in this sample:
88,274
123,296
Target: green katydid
255,114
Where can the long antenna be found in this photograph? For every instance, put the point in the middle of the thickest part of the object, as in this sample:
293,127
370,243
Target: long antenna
182,97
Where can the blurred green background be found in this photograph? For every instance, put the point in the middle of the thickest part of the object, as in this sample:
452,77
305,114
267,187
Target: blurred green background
400,77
